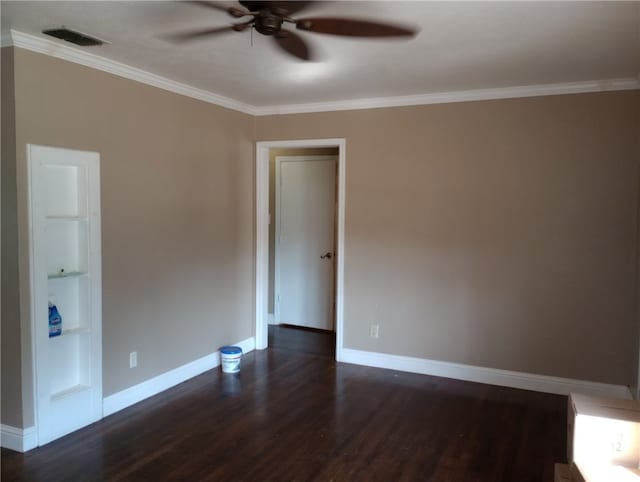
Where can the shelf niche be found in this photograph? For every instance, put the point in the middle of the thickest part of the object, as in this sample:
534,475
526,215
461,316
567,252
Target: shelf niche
65,191
66,271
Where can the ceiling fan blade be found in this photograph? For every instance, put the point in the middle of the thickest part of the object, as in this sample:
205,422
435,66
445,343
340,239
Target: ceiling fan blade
293,44
231,10
205,32
353,28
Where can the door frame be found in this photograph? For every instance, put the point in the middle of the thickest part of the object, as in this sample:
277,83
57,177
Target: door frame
262,234
276,219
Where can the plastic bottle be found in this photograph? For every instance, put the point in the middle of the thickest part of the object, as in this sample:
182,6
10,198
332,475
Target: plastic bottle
55,321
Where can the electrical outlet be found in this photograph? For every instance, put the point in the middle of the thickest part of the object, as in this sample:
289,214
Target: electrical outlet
133,359
374,331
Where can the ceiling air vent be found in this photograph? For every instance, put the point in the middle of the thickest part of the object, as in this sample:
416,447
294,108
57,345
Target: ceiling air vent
73,37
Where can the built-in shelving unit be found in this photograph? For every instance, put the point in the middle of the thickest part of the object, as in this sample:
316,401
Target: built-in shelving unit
66,271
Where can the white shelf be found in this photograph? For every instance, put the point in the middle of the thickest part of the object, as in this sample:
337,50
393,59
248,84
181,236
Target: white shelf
69,391
65,219
76,274
78,330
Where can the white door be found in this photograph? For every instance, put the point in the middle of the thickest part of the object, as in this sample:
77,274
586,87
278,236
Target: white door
305,218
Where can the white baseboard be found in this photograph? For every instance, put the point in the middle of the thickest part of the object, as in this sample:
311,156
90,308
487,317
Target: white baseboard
491,376
271,319
18,439
148,388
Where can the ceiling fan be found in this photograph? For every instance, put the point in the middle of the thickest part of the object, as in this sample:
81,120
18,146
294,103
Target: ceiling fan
269,18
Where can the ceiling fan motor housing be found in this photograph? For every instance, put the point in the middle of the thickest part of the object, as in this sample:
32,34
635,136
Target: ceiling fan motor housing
268,23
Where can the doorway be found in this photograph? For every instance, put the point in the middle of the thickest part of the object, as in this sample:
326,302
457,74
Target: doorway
328,314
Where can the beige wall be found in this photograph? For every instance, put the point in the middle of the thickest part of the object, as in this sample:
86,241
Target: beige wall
498,233
177,210
273,153
10,312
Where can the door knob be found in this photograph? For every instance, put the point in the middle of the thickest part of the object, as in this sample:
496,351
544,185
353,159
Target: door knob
327,255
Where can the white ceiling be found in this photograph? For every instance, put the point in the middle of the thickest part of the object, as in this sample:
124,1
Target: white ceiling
461,46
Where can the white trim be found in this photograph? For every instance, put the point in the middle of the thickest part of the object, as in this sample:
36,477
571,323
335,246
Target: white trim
262,248
30,182
64,52
276,241
270,319
262,233
454,96
61,51
148,388
340,249
491,376
18,439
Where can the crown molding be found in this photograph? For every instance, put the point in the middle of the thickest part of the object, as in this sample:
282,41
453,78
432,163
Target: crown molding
61,51
455,96
5,39
58,50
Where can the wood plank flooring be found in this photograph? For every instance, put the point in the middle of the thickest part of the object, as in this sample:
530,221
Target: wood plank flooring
293,414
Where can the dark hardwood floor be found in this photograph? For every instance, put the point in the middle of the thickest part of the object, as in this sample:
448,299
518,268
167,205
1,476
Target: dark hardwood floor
303,340
293,414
